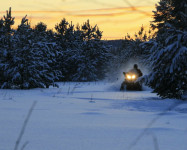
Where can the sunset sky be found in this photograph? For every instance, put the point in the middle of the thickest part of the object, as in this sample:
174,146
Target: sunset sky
115,18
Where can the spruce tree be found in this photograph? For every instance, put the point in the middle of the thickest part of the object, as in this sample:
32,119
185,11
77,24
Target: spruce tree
92,55
168,77
8,20
169,64
173,12
32,58
7,43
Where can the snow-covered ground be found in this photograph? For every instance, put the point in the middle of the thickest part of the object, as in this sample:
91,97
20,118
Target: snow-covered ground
92,116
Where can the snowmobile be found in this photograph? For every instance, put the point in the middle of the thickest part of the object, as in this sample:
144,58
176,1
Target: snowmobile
130,82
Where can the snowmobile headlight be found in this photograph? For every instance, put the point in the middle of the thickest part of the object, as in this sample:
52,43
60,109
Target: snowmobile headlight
133,76
129,77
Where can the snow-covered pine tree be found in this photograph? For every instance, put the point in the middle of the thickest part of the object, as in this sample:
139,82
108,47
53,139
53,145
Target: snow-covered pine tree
71,42
92,55
89,32
32,57
162,14
91,62
64,52
41,27
45,40
8,20
6,41
48,50
3,50
81,50
169,73
61,29
168,77
179,14
172,12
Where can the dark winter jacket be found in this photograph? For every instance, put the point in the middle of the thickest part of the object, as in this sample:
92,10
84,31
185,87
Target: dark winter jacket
137,71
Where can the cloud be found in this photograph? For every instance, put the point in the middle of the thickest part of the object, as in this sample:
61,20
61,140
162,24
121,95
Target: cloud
126,20
109,14
117,11
35,12
115,22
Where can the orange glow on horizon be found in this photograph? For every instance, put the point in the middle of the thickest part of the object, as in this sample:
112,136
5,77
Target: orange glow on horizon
115,22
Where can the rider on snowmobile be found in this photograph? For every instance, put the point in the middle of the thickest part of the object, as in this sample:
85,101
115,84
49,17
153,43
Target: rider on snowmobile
130,79
136,70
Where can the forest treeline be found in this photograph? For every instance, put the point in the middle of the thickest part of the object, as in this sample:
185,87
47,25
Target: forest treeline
37,57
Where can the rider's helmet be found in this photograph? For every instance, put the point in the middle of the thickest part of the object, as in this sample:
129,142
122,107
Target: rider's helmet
135,66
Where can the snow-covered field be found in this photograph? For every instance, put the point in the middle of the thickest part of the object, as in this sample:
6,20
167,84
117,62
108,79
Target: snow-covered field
92,116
